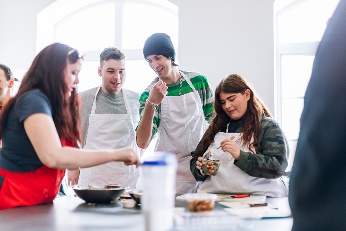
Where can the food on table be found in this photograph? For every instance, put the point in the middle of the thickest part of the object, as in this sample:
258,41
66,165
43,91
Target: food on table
201,205
113,186
199,202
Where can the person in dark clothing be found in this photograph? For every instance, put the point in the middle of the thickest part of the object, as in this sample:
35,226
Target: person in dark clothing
318,178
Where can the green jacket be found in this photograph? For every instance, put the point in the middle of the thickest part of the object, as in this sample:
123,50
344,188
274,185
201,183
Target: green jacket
272,152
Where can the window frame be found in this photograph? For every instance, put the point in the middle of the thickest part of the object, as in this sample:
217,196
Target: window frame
63,9
283,49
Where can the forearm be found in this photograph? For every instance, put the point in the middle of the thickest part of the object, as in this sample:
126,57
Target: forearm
271,154
145,127
200,149
72,158
42,133
248,161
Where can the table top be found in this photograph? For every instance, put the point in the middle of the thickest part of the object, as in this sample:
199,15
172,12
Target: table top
72,213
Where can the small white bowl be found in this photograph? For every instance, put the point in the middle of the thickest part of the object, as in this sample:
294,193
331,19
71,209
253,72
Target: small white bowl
128,203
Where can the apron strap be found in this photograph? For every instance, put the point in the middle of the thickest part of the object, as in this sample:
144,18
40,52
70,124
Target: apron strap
126,102
193,89
93,108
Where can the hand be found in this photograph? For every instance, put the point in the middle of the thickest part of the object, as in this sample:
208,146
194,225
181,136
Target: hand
199,165
230,146
158,92
128,156
72,177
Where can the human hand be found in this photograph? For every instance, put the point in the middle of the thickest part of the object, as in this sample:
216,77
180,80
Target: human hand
199,165
229,145
128,156
72,177
158,92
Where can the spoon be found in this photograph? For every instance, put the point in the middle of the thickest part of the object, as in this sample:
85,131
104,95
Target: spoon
232,137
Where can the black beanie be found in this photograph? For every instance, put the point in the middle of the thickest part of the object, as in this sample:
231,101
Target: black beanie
159,44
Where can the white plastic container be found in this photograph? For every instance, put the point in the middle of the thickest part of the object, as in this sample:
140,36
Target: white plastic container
200,202
158,196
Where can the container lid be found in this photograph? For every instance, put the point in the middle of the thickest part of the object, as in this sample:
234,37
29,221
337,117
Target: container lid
200,196
160,159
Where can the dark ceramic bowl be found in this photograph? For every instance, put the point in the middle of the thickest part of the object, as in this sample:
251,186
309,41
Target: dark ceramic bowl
136,195
98,195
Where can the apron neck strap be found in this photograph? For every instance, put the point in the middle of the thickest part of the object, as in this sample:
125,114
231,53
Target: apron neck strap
127,105
187,79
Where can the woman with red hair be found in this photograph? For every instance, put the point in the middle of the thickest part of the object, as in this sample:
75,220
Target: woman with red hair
39,128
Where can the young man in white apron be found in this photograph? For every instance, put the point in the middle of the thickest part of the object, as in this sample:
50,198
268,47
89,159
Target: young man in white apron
109,115
177,105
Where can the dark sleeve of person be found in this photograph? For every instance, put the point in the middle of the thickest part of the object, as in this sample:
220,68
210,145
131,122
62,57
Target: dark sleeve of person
318,179
200,150
32,103
271,154
19,155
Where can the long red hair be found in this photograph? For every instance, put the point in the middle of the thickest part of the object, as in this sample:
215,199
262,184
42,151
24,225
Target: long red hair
46,73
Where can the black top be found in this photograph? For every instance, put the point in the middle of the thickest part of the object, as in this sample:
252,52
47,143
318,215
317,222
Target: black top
17,153
318,178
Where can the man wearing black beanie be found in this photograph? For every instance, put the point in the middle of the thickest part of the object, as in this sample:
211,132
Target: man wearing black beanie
177,105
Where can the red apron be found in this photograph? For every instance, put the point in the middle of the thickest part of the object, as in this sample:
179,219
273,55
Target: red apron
30,188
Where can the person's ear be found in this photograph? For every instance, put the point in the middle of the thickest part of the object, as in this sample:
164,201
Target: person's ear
99,71
247,94
11,83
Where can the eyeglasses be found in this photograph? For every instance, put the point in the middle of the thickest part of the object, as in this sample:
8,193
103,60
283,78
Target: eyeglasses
73,55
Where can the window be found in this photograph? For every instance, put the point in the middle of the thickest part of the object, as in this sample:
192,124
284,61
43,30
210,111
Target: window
92,25
299,25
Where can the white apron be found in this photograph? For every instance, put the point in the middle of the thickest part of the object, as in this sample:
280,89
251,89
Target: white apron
231,179
181,128
110,131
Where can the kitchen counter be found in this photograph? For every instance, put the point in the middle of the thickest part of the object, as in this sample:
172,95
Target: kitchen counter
71,213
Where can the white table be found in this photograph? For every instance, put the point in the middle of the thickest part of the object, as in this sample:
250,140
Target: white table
71,213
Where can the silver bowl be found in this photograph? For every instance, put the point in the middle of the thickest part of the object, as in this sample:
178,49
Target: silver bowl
98,195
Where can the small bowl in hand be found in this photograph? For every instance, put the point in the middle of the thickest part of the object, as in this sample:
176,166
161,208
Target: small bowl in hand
210,167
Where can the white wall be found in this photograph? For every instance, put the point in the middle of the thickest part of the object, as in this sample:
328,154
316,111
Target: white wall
216,38
18,31
221,37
